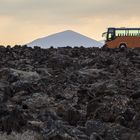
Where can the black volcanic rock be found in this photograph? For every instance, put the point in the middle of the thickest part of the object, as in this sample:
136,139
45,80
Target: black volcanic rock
71,93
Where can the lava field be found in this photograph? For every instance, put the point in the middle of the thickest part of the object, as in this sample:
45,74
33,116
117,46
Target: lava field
70,93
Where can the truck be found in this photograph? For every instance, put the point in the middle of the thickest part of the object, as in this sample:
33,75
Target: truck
122,37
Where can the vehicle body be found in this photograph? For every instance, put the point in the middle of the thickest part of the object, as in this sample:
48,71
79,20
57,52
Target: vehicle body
122,38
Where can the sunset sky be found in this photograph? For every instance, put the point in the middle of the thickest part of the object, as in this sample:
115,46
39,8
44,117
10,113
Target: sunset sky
22,21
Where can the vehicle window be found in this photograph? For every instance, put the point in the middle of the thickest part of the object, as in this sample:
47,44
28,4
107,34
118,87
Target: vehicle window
127,32
110,36
120,32
134,32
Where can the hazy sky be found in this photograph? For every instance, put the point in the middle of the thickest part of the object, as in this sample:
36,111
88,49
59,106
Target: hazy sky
22,21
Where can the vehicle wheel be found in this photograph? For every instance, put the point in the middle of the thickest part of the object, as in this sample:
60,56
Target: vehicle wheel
122,46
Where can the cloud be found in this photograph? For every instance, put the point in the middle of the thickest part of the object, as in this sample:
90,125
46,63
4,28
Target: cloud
25,20
57,10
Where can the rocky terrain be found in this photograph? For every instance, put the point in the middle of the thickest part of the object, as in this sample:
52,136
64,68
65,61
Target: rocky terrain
70,93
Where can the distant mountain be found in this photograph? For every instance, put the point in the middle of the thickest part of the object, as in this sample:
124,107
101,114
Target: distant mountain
65,38
102,41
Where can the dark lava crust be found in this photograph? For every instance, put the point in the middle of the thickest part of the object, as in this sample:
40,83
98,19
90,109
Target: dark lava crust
71,93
